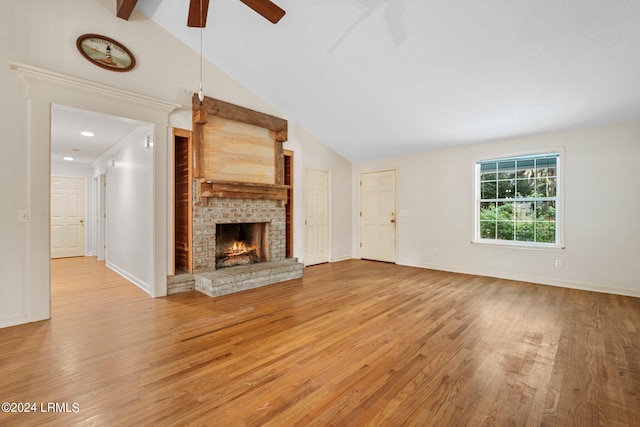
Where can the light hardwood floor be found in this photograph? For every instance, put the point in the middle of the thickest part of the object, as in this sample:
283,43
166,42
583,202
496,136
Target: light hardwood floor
352,343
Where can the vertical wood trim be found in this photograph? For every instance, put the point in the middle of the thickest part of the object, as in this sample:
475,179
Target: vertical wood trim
197,151
189,137
288,180
279,153
190,206
171,271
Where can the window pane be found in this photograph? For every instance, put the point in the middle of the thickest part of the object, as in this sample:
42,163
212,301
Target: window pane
505,211
551,187
525,168
507,170
546,211
488,190
546,167
488,171
545,187
487,211
506,189
525,187
546,232
525,211
487,229
505,230
525,231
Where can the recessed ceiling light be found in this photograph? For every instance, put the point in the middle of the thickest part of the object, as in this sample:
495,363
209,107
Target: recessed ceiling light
87,133
69,159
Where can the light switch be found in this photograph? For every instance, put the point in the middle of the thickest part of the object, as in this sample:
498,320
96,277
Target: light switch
23,216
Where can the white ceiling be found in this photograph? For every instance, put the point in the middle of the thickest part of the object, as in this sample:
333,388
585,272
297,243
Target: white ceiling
381,78
66,140
378,78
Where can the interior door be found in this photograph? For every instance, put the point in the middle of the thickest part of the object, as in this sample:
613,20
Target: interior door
378,216
67,217
317,220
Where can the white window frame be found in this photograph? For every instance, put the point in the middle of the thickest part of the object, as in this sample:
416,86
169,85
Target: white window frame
559,228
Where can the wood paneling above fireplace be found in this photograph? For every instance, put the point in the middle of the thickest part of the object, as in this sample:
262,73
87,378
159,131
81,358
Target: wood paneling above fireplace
238,151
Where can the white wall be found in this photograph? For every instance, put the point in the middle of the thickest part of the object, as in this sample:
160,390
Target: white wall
310,153
129,206
602,230
43,34
13,176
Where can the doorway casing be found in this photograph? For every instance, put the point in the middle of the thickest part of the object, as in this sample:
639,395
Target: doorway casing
44,88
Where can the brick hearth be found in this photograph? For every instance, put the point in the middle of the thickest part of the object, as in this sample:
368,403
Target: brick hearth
236,279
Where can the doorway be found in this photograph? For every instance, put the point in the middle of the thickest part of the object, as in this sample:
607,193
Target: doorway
317,219
45,88
88,146
378,216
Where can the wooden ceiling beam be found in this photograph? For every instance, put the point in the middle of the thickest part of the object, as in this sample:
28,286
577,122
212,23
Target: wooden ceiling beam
124,8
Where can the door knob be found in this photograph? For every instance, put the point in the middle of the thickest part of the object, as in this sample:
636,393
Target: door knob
393,220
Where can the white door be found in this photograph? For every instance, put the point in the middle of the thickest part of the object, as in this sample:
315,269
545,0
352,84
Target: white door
378,216
317,220
67,217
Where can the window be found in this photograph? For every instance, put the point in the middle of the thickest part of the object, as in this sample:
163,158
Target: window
518,200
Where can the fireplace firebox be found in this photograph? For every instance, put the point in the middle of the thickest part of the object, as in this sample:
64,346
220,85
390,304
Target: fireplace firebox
241,244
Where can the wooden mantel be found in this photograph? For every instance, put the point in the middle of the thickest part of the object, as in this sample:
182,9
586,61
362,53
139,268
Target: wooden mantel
242,190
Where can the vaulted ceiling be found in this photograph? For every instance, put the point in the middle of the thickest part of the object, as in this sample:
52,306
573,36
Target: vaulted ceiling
380,78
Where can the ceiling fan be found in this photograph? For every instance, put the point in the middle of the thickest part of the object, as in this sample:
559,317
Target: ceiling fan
198,11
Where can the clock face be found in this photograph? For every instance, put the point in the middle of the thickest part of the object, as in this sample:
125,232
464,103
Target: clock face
105,52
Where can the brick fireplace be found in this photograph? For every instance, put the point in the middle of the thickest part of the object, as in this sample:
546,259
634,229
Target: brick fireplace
238,229
237,219
210,213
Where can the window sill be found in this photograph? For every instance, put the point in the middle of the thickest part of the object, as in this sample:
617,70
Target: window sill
519,246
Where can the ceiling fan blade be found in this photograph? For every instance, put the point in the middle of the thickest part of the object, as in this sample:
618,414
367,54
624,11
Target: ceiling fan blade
198,13
269,10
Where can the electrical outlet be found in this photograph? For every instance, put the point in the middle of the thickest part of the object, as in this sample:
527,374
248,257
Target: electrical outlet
558,263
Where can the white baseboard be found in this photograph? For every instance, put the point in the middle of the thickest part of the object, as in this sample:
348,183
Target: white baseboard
533,279
13,321
130,277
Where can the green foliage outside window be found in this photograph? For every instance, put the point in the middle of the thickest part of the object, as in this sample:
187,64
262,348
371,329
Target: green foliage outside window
518,199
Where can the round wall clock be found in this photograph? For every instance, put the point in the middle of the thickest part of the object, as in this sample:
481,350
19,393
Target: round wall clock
105,52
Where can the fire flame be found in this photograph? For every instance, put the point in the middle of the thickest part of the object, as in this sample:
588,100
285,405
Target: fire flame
239,248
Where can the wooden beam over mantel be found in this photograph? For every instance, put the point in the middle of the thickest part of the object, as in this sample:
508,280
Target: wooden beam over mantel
242,190
216,107
124,8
